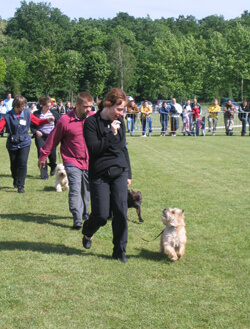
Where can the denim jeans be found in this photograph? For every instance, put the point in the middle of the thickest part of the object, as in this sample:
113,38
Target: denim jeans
131,125
146,123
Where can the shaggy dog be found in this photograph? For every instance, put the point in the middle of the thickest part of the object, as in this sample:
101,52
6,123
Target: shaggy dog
173,237
134,201
61,179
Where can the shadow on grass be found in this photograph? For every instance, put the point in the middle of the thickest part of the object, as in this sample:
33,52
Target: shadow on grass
152,255
36,218
45,248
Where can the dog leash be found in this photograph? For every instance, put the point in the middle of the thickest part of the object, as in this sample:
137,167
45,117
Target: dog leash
137,233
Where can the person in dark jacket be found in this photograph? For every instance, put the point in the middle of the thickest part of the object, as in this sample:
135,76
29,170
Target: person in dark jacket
244,115
109,171
41,133
17,123
164,112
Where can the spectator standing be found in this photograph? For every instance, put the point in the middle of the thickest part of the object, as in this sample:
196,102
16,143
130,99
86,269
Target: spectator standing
244,115
229,110
213,116
68,107
17,122
3,111
197,122
146,110
69,131
164,112
41,133
131,116
32,107
109,171
195,103
60,107
175,111
185,121
187,107
8,102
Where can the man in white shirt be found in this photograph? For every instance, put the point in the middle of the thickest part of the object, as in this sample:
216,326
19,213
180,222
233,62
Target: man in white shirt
175,111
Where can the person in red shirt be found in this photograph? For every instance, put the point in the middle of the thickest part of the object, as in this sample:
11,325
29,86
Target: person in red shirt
69,132
17,123
197,121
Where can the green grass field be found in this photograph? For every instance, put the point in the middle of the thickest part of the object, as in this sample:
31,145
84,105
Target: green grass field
47,280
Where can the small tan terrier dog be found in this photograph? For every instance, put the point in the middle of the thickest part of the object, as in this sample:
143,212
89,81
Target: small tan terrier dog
173,237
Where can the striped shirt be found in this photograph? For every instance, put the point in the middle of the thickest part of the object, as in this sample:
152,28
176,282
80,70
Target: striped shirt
48,127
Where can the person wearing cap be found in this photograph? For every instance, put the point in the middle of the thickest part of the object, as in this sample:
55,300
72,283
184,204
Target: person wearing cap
131,116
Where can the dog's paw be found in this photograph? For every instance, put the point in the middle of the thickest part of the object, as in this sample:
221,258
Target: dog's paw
58,188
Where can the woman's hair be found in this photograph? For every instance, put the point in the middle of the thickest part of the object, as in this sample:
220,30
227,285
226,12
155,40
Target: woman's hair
19,101
44,100
114,97
84,96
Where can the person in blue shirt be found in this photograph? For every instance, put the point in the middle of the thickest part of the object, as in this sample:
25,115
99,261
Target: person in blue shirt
8,102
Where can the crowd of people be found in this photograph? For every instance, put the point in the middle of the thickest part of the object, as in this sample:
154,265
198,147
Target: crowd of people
94,151
94,154
193,121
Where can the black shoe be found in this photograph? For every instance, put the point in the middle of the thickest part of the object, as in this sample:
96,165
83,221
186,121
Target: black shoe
85,217
86,243
20,189
76,227
52,172
121,259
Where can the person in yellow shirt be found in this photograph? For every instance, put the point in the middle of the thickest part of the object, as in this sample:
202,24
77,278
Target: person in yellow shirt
213,115
146,110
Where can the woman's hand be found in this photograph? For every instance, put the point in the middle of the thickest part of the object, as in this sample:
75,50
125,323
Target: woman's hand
39,133
129,181
51,119
115,126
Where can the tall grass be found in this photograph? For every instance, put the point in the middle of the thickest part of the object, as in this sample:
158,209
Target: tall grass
47,280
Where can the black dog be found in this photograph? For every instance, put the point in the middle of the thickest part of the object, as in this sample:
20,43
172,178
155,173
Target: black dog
134,201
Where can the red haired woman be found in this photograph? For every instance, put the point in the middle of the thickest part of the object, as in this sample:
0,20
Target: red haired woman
109,171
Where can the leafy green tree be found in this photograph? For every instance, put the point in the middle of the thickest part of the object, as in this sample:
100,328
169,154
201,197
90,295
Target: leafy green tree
238,40
71,71
42,25
16,75
2,69
96,74
45,68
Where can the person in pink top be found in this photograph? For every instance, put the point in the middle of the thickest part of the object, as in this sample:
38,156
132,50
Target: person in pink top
74,152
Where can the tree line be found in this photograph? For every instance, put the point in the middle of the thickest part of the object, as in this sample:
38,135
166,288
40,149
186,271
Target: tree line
43,52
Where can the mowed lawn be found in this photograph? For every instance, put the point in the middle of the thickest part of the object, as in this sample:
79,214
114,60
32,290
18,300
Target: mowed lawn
47,280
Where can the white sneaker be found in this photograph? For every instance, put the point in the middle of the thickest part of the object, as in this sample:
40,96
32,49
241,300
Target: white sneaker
143,135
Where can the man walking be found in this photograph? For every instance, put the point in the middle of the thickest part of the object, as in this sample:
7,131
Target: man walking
69,131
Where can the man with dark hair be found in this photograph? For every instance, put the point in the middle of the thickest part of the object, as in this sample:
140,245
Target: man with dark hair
69,131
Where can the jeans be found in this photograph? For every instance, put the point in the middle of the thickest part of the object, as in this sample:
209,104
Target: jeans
164,123
78,193
146,123
244,125
131,125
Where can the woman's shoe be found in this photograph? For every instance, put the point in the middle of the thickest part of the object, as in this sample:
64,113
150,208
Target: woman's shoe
86,242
